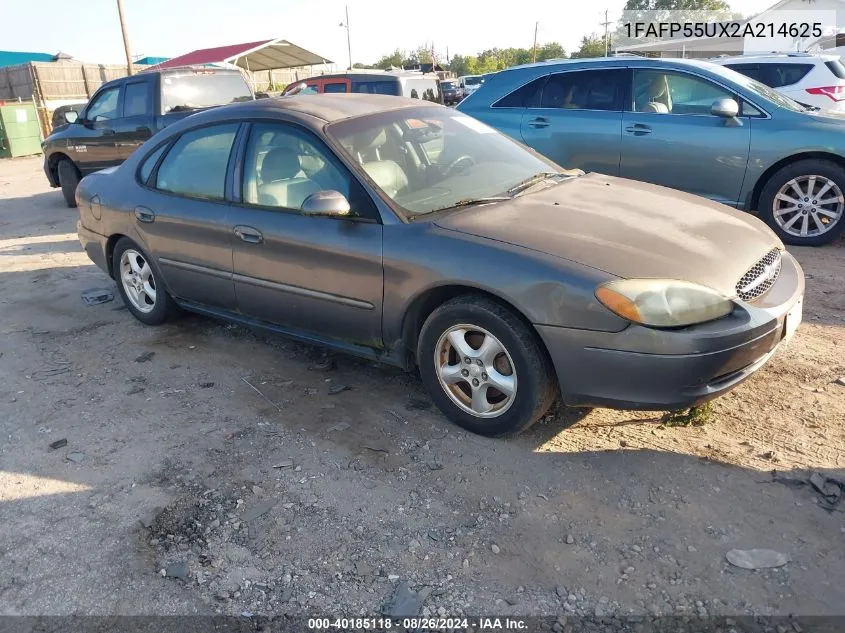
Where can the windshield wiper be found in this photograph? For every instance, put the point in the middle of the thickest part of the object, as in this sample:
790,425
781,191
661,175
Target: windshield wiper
469,202
533,180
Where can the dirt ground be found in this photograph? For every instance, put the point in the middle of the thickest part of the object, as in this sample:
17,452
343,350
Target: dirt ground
304,501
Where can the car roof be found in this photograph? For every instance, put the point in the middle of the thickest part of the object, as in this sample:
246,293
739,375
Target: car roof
328,107
797,58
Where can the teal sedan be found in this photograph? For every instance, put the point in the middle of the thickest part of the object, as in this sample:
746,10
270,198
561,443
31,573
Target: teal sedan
686,124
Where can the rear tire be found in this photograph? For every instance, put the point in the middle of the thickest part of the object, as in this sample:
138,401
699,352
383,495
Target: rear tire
502,351
140,284
68,181
807,183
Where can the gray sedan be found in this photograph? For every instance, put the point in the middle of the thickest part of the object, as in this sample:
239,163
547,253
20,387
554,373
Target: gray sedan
406,232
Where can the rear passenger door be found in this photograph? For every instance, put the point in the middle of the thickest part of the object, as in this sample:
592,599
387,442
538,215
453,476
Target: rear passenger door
311,275
182,216
134,126
576,119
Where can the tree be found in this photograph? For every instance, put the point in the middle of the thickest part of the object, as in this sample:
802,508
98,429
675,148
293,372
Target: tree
676,5
360,65
551,50
396,58
591,46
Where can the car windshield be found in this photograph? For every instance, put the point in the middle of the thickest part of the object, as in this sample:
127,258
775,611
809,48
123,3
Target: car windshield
201,89
472,81
430,158
769,94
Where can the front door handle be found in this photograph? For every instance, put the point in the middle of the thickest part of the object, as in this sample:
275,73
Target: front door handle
538,122
639,129
143,214
249,234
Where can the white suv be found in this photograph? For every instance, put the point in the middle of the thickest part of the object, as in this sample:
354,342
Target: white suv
810,79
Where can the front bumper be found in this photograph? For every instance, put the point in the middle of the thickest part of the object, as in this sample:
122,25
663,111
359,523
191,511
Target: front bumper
654,369
94,245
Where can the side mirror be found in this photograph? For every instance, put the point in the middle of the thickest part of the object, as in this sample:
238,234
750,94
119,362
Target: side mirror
328,202
71,116
725,108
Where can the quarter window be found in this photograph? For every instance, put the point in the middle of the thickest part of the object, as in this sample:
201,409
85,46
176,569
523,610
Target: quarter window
104,107
196,164
528,96
150,163
662,92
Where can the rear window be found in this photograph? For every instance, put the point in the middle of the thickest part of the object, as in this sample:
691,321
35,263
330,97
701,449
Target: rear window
447,85
836,67
472,81
201,90
774,75
385,87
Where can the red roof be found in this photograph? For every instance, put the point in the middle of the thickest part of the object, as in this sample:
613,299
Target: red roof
216,55
262,55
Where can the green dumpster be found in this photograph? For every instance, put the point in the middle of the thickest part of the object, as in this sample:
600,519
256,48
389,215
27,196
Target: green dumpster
20,134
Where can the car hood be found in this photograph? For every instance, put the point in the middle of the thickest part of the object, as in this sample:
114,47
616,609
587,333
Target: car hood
627,228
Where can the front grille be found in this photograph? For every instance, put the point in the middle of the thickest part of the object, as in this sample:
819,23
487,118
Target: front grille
760,277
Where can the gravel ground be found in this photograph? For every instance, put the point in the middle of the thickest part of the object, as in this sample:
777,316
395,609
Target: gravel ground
181,489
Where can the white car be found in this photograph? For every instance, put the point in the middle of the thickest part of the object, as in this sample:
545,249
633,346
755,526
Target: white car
811,79
470,83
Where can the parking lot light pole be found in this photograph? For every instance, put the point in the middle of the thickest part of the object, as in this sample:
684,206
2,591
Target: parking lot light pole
348,37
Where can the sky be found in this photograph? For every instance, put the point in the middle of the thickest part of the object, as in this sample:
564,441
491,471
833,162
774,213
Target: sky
89,30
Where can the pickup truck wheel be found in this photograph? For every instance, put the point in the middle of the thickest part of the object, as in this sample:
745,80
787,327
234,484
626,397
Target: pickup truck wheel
804,203
484,368
68,180
139,284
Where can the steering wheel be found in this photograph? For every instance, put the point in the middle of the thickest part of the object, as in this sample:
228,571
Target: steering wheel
467,161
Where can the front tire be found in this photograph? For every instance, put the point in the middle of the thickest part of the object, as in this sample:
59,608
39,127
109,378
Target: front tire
68,181
803,202
484,368
140,285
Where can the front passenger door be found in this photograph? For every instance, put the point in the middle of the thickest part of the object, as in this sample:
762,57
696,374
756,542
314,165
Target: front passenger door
314,275
672,139
578,123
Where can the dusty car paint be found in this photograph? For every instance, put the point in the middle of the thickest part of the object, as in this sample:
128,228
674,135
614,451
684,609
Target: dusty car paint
364,286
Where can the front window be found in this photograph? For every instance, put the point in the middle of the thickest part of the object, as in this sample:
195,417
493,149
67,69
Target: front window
201,89
428,159
663,92
104,107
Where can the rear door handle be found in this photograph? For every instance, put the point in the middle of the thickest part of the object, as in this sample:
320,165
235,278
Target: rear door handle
639,129
538,122
249,234
143,214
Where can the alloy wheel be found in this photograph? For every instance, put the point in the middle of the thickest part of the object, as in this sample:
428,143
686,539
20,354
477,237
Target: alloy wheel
138,281
808,206
475,370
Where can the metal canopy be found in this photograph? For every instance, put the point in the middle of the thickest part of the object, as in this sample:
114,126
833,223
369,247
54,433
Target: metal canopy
252,56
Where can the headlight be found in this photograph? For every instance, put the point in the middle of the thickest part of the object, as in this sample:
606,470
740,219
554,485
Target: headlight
663,302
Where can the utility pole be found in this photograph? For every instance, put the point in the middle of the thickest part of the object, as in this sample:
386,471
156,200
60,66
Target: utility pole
605,24
126,47
534,54
348,37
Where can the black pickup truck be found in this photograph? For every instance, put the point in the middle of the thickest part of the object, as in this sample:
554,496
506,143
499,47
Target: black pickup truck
125,112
